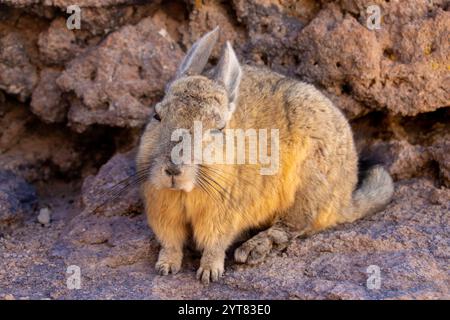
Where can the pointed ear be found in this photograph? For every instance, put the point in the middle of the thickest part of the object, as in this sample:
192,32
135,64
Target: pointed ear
197,57
229,72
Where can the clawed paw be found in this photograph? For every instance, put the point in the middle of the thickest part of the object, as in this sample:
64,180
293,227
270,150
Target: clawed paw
164,268
207,274
254,251
169,261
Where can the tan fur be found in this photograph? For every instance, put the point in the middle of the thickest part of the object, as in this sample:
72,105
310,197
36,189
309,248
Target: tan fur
313,190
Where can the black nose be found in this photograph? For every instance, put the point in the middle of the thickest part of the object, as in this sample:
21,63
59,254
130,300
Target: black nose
172,170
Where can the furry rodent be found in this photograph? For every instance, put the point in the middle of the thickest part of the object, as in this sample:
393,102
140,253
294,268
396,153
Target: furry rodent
313,189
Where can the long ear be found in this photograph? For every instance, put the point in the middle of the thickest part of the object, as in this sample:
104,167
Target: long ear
197,57
229,73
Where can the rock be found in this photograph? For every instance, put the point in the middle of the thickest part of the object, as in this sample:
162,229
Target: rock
409,152
17,200
402,159
406,243
406,78
111,227
257,12
98,21
44,216
38,155
334,264
47,102
14,119
17,75
66,3
40,152
272,29
90,91
113,191
58,44
440,196
205,17
441,154
116,83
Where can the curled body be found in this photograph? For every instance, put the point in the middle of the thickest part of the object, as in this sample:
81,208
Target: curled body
312,188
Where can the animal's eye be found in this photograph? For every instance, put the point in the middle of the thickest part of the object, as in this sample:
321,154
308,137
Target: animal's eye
216,131
156,117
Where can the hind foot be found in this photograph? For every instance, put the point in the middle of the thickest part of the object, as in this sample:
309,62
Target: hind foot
256,249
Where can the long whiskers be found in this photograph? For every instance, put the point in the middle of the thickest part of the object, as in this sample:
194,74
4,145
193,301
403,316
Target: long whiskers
116,191
218,185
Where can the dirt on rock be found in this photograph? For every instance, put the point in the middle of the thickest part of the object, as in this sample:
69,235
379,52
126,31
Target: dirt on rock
73,104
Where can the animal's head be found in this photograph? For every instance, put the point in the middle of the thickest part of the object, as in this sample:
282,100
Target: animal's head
191,98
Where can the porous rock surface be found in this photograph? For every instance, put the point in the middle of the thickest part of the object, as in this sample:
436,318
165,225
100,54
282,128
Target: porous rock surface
17,199
73,103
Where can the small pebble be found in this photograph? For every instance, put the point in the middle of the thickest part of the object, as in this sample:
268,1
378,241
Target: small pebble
163,33
44,216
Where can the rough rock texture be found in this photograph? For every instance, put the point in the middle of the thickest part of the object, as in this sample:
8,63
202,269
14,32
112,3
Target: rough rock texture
73,102
17,198
116,82
47,101
114,181
31,149
58,44
440,153
381,68
116,254
17,74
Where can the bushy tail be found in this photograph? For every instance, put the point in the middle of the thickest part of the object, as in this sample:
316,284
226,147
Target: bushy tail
373,194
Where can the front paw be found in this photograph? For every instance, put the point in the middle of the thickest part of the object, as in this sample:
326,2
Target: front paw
169,261
210,271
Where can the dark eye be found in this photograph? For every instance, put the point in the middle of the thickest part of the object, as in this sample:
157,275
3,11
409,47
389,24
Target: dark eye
216,131
156,117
